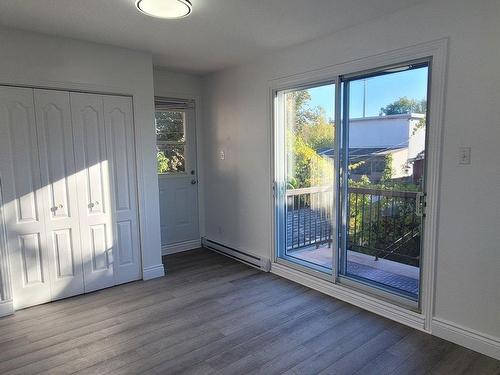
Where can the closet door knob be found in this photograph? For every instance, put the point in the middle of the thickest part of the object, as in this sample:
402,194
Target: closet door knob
55,208
91,205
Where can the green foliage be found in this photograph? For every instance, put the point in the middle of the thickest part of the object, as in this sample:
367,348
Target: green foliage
170,138
308,131
377,222
387,173
308,168
299,112
319,135
170,159
421,124
404,105
169,126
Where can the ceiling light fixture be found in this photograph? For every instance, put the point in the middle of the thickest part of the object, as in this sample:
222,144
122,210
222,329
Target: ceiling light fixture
165,8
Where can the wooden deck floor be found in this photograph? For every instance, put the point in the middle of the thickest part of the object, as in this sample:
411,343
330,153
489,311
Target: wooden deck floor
214,315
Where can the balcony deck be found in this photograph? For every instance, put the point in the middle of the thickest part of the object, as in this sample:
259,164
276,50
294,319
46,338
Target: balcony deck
384,223
387,272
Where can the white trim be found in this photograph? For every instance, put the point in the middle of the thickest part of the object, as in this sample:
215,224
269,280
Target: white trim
180,246
467,337
437,50
6,302
153,272
6,308
375,305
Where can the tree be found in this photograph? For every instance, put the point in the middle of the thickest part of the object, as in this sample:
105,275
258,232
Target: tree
387,173
308,131
404,105
308,168
169,137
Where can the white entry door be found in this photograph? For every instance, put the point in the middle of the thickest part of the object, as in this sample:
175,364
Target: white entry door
177,173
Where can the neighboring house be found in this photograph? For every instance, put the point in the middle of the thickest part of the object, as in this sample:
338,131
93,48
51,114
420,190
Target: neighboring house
372,139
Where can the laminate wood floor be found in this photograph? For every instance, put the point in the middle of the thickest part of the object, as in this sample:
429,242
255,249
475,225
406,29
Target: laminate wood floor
213,315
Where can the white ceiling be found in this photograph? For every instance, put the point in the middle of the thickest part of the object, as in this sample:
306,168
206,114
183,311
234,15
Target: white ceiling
218,34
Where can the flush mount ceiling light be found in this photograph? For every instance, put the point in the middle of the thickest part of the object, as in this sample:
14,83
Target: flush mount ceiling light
165,8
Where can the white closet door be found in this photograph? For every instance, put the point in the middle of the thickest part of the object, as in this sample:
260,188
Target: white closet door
57,164
93,190
121,156
23,202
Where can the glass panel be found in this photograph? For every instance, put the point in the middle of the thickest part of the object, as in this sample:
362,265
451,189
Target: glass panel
170,140
170,126
171,158
309,170
385,155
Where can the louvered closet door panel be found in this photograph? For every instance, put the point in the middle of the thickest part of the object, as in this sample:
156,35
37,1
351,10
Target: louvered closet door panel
23,201
57,164
121,156
93,190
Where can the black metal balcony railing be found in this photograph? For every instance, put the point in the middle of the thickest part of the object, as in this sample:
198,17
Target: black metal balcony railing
309,219
382,223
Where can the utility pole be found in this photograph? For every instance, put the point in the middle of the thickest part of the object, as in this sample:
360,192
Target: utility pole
364,97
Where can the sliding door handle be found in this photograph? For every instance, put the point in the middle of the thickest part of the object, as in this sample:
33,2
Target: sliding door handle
419,204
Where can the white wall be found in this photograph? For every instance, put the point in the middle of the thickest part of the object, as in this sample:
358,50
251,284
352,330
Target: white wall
181,85
238,211
37,60
387,131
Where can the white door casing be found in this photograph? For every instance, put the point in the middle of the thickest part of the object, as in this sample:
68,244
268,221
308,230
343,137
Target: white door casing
179,194
23,199
118,120
57,167
94,202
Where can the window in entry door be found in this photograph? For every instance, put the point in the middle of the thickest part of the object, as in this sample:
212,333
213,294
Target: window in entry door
170,141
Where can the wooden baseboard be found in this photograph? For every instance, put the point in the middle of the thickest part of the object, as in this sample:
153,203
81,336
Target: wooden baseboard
180,246
153,272
469,338
6,308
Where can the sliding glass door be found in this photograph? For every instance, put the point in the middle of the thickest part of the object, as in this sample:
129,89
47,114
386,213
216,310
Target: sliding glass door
305,156
349,188
383,163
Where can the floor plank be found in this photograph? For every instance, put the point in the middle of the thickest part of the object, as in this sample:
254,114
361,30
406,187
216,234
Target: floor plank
213,315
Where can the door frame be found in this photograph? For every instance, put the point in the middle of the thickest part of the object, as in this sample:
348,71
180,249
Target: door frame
199,164
6,300
279,188
437,52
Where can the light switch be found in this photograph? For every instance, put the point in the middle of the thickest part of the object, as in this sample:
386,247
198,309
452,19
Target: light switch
464,156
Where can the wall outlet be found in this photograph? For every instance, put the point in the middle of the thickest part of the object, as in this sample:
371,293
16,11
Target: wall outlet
222,155
464,155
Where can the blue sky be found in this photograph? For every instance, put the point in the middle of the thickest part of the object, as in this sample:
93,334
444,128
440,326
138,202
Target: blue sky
380,91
